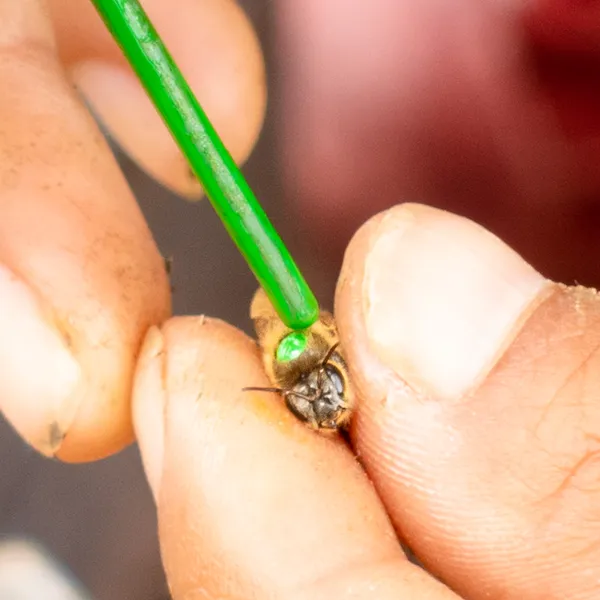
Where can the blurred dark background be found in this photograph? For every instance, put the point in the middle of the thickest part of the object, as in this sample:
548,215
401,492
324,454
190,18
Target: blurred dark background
98,519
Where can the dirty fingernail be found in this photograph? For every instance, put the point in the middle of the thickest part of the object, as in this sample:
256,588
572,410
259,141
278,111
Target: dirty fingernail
441,297
38,374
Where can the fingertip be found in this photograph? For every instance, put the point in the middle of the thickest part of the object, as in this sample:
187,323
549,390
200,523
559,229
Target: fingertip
171,365
40,380
438,297
426,304
218,52
349,314
173,376
44,387
148,405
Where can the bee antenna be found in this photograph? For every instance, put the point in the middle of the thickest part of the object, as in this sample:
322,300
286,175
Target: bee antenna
324,363
263,389
329,354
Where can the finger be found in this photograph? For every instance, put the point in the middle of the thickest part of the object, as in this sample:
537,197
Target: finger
80,277
217,51
250,502
479,421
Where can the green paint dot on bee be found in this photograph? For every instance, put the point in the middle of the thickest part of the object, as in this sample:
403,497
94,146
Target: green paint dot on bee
291,346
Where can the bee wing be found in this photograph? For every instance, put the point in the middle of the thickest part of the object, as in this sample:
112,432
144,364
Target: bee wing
269,328
264,317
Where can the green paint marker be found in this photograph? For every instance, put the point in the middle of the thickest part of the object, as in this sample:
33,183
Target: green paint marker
223,182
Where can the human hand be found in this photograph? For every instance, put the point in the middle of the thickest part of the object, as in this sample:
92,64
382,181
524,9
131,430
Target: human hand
81,279
486,108
479,438
477,424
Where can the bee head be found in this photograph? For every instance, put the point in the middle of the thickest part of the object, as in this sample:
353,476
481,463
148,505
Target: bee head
319,398
306,366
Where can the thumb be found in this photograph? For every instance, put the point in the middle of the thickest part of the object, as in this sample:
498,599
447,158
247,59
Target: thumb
479,421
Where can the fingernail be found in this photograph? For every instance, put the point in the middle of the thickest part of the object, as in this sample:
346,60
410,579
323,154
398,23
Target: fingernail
441,297
149,398
119,102
38,375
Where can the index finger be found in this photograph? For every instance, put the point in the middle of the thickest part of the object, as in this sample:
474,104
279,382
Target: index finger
80,276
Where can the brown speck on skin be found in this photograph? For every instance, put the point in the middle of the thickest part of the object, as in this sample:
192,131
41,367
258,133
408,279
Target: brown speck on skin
56,435
196,190
68,339
200,393
168,264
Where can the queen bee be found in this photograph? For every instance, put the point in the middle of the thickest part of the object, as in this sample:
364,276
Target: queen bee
306,367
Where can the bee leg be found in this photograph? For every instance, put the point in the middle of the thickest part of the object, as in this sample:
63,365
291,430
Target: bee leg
311,422
320,376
